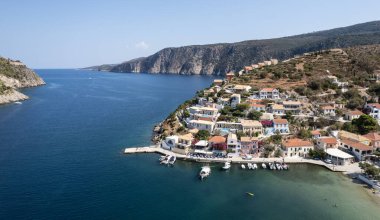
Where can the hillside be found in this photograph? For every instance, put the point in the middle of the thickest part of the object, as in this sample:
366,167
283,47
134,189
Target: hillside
219,59
15,75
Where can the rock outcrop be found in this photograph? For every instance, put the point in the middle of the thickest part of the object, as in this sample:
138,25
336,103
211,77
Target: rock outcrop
15,75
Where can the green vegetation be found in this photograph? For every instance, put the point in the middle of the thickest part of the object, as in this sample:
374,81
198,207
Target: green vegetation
254,115
370,170
363,125
304,134
354,99
317,153
3,88
202,135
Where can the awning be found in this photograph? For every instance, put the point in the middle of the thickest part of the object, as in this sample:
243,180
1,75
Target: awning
338,153
202,152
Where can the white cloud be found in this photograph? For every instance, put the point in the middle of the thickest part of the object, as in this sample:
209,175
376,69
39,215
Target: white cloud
142,45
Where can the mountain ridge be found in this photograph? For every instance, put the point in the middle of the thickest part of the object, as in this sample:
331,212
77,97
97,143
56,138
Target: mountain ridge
220,58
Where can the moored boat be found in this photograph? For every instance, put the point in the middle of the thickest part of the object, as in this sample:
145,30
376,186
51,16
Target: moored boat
243,166
205,172
172,159
263,165
227,165
254,166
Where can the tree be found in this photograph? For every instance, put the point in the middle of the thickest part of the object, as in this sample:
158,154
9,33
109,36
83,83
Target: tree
254,115
365,124
277,153
304,134
242,107
186,113
374,90
202,135
277,138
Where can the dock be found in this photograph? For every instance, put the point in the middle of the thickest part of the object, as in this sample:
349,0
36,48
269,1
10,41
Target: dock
348,169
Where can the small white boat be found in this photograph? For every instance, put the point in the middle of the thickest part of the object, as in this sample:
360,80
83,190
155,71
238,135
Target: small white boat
227,165
285,166
172,160
250,166
278,166
164,162
162,158
263,165
254,166
18,103
243,166
205,172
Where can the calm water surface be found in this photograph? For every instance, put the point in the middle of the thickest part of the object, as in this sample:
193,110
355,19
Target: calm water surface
61,158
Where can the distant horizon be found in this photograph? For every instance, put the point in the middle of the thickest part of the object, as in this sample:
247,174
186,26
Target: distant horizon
72,35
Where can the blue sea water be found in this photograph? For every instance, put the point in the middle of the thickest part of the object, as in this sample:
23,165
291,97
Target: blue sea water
61,158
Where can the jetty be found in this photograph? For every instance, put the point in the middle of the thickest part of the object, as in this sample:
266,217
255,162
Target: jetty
347,169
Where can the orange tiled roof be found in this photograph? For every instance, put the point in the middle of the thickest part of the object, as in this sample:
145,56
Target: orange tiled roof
280,121
357,145
315,132
296,142
267,89
328,140
217,139
373,136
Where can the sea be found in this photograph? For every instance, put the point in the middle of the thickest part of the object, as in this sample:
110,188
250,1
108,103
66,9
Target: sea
61,157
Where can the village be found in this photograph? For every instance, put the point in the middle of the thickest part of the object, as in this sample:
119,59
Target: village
230,120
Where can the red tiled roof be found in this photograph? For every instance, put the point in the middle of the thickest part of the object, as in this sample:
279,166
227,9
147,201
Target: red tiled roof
280,121
357,145
267,89
328,140
355,112
297,143
376,105
315,132
257,105
217,139
373,136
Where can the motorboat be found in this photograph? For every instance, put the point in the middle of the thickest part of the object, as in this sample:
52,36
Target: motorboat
250,166
250,194
18,103
254,166
285,166
227,165
162,158
278,166
205,172
164,162
263,165
172,159
243,166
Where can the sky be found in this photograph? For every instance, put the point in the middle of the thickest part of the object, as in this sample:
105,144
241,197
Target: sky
81,33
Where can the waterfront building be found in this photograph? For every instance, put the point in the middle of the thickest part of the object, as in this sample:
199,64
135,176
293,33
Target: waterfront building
232,143
339,157
249,145
353,137
375,140
184,144
327,142
218,82
359,149
296,147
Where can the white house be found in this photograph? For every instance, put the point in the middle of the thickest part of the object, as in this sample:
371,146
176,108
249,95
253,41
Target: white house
202,125
359,149
296,147
252,127
292,106
233,143
170,142
281,125
227,126
374,110
269,93
235,100
257,107
241,88
327,142
277,109
184,144
328,110
352,115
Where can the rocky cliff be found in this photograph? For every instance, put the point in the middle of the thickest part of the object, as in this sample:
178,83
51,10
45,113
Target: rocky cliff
15,75
219,59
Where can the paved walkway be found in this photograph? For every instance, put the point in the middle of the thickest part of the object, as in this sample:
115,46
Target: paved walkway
348,169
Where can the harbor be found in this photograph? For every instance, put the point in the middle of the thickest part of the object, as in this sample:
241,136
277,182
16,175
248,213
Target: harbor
346,169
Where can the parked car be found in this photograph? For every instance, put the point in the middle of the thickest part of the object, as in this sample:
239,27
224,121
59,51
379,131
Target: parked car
328,161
